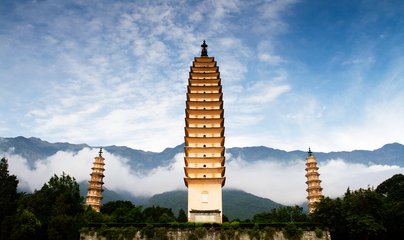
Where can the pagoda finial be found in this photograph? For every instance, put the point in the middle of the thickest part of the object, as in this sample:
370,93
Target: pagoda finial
204,49
100,152
310,152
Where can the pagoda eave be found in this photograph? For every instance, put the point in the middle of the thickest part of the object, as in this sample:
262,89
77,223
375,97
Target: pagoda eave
203,69
190,181
204,160
192,170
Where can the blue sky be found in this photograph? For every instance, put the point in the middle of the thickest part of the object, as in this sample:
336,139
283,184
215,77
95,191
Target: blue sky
325,74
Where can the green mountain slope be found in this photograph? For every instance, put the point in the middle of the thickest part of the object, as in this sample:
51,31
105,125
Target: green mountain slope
109,195
236,203
243,205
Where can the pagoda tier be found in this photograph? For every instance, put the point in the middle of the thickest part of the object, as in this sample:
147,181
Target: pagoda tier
198,151
208,161
203,172
201,141
204,97
205,105
204,132
204,82
202,181
205,89
94,194
204,113
204,140
204,123
313,181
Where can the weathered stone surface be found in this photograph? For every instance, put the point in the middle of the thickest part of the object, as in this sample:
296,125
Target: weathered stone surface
214,234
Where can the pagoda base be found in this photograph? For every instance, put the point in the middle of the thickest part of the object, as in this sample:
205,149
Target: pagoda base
205,216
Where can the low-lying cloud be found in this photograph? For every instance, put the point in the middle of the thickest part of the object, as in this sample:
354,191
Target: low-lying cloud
283,182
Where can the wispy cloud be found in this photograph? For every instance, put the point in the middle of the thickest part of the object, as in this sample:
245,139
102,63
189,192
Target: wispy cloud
107,72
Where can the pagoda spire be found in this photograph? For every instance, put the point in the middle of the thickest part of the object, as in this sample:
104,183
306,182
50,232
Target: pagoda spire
94,193
313,181
204,52
204,141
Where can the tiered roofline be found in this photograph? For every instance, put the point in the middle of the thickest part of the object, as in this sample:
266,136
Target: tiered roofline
204,120
204,140
94,193
313,181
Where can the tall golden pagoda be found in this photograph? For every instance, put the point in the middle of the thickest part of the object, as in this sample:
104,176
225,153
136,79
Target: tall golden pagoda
204,140
313,181
94,194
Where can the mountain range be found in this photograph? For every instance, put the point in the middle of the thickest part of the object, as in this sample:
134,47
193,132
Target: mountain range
34,149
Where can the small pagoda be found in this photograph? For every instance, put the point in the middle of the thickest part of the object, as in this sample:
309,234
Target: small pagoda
204,140
94,194
313,181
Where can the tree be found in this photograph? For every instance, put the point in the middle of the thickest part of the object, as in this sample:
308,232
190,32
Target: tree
329,212
113,206
91,216
154,214
26,225
166,218
58,206
392,190
365,213
182,217
136,215
8,199
64,195
122,211
282,214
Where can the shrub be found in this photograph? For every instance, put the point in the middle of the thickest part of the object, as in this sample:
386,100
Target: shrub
148,231
254,233
192,236
160,233
235,224
291,231
230,233
129,232
319,232
201,232
269,233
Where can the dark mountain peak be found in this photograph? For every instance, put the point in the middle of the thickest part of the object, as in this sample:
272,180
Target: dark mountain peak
392,146
35,139
115,148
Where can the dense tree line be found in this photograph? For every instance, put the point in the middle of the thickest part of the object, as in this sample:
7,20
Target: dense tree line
282,215
365,213
362,214
127,212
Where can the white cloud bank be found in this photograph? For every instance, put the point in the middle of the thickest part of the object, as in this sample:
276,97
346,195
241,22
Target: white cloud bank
281,182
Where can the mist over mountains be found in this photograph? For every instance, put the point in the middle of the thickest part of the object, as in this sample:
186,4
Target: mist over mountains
265,172
34,149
